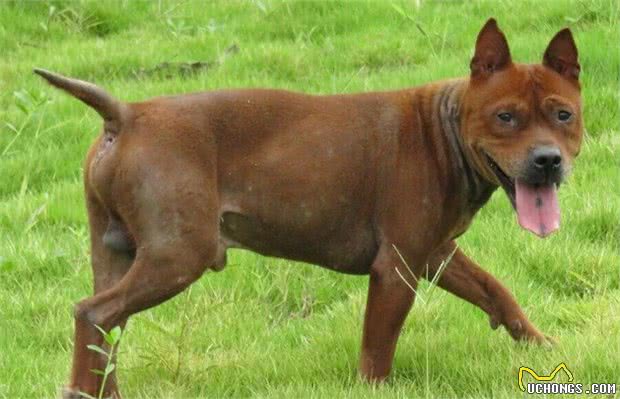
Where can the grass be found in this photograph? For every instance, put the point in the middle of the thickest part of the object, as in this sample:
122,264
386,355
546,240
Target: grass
269,327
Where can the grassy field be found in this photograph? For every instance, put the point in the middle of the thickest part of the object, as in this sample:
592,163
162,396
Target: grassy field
268,327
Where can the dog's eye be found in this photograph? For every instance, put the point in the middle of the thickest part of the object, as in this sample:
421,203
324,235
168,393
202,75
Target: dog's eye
505,117
564,116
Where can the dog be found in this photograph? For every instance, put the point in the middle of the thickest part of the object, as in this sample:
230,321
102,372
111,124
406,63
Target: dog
356,183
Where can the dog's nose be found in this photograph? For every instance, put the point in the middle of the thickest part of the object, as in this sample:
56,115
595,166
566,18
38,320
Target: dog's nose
545,165
547,158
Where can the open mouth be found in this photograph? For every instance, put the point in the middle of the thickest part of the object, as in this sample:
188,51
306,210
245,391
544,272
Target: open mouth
507,182
536,204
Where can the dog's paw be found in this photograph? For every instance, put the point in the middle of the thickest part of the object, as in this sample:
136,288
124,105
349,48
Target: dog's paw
533,336
70,393
546,341
530,335
525,332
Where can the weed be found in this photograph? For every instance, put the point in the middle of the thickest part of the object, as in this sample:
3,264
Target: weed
112,338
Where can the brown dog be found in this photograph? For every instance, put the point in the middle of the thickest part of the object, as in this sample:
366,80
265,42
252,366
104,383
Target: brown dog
348,182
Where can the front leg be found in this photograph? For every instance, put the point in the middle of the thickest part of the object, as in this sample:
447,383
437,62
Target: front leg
389,301
465,279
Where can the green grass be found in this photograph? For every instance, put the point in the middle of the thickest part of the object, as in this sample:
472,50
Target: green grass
269,327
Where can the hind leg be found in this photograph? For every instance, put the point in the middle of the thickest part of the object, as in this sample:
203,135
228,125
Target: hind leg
175,227
465,279
108,267
152,279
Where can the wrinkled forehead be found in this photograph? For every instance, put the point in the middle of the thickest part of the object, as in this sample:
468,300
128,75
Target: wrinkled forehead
529,84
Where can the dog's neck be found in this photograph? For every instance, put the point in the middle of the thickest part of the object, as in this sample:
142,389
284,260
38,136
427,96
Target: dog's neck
448,100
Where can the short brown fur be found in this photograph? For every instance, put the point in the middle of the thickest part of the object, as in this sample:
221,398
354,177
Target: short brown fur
349,182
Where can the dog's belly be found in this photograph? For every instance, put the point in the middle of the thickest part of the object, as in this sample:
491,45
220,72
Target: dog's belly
296,175
351,251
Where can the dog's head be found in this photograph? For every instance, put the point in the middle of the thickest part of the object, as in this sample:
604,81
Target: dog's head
522,124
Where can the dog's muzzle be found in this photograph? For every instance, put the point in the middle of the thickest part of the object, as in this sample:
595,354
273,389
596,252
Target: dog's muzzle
543,166
533,192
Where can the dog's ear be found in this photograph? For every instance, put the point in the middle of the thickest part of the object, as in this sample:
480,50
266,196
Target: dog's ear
108,107
561,55
492,53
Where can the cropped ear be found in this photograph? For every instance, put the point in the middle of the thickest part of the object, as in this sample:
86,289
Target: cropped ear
492,53
561,55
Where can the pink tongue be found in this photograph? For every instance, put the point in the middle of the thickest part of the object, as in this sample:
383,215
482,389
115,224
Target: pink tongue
537,208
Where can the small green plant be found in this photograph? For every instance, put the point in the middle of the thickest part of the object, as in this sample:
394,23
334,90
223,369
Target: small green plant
112,338
29,101
75,19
